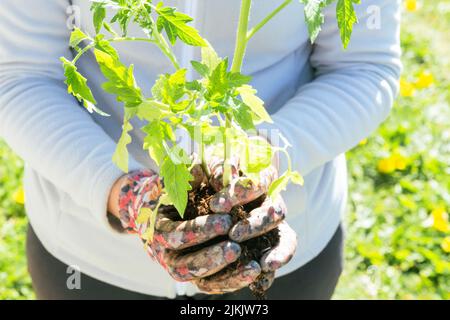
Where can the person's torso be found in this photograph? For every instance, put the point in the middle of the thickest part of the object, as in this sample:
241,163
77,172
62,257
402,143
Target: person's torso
278,61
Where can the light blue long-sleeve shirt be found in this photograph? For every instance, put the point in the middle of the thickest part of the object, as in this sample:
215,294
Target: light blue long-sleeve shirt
322,99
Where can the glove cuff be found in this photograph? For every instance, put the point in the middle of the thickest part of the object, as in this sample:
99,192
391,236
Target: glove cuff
141,189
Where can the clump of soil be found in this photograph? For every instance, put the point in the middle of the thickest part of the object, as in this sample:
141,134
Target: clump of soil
252,249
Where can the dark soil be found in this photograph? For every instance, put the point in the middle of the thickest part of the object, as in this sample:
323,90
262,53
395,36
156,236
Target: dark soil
252,249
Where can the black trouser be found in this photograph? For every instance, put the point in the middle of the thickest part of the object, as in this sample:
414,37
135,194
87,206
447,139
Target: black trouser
315,280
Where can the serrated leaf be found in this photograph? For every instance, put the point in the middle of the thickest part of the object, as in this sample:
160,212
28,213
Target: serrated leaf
243,116
346,18
201,68
249,97
237,79
98,15
313,16
154,141
76,37
176,183
169,88
120,156
77,86
121,81
175,25
105,46
148,110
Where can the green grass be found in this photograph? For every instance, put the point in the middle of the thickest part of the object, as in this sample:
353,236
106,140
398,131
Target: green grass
392,249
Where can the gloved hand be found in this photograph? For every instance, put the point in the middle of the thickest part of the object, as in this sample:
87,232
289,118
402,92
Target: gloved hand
141,189
262,219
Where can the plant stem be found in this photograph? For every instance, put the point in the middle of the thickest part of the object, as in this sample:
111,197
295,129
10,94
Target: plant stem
81,52
269,17
118,39
163,45
226,178
241,37
203,159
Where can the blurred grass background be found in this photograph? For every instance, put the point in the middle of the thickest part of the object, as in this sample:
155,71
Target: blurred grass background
398,229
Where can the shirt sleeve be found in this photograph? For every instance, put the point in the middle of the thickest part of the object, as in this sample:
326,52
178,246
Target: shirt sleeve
39,120
352,92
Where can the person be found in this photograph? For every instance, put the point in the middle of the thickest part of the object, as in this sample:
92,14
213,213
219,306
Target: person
322,98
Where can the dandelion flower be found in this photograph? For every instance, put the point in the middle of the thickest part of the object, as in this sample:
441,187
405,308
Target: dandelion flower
407,88
386,165
19,196
440,219
411,5
445,245
425,80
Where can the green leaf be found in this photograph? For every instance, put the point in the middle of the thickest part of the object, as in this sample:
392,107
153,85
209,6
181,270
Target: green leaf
76,37
165,200
148,110
210,57
237,79
313,16
121,81
243,116
77,86
249,97
157,133
278,185
176,183
296,178
217,82
170,88
175,25
201,68
346,18
281,183
98,15
105,46
120,156
258,155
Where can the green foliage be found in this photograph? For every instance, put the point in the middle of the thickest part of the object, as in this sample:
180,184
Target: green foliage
395,238
346,18
15,282
177,192
175,102
120,156
345,15
175,25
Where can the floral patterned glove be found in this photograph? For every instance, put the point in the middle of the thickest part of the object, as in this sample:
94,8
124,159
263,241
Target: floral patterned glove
142,189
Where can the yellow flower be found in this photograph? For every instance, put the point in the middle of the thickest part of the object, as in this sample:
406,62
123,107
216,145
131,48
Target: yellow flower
394,162
386,165
440,219
424,80
19,196
411,5
363,142
407,88
400,161
445,245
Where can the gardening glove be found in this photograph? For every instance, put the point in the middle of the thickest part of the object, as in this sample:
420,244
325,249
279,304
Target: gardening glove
259,275
141,189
